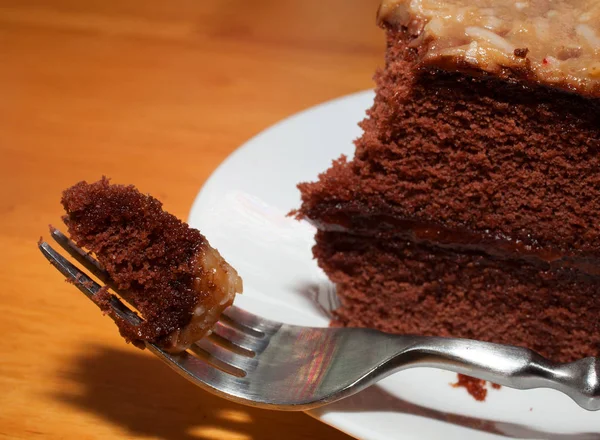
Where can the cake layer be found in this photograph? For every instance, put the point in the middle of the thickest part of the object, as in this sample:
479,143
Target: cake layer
401,287
161,266
551,42
476,154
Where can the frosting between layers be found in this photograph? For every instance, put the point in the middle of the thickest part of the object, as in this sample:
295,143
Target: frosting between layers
494,245
552,42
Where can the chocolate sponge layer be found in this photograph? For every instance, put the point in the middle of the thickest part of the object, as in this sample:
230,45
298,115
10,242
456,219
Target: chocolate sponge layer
482,153
148,253
512,166
400,287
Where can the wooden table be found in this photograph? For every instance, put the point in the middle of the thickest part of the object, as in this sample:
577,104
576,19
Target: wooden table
155,93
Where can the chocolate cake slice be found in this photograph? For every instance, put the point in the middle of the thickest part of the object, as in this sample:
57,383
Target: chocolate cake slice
165,269
471,207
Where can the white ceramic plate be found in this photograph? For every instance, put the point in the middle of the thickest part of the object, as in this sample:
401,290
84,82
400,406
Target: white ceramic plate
243,209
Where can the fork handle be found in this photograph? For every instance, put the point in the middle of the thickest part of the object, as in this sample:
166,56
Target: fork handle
505,365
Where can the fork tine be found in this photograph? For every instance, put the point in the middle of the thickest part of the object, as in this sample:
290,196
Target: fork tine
252,322
215,351
81,256
203,374
84,283
89,262
73,274
239,338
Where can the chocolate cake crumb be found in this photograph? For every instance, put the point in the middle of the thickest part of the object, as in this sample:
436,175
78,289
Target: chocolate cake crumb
160,265
475,387
102,299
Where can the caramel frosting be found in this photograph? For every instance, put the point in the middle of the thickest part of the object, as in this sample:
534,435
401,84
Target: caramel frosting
216,284
551,42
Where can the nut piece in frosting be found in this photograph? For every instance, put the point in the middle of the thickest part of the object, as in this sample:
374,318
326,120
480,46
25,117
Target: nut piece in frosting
561,38
162,267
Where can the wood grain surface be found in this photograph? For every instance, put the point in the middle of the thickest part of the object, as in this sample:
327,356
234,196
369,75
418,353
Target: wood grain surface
155,93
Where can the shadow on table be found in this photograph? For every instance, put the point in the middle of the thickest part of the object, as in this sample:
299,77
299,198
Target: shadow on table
378,400
141,394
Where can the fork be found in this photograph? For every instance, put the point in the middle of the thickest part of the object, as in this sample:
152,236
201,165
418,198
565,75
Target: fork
268,364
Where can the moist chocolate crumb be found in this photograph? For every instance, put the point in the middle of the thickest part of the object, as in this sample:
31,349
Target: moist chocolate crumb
475,387
149,253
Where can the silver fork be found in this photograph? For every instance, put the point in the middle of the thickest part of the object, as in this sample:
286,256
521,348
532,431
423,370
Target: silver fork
268,364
